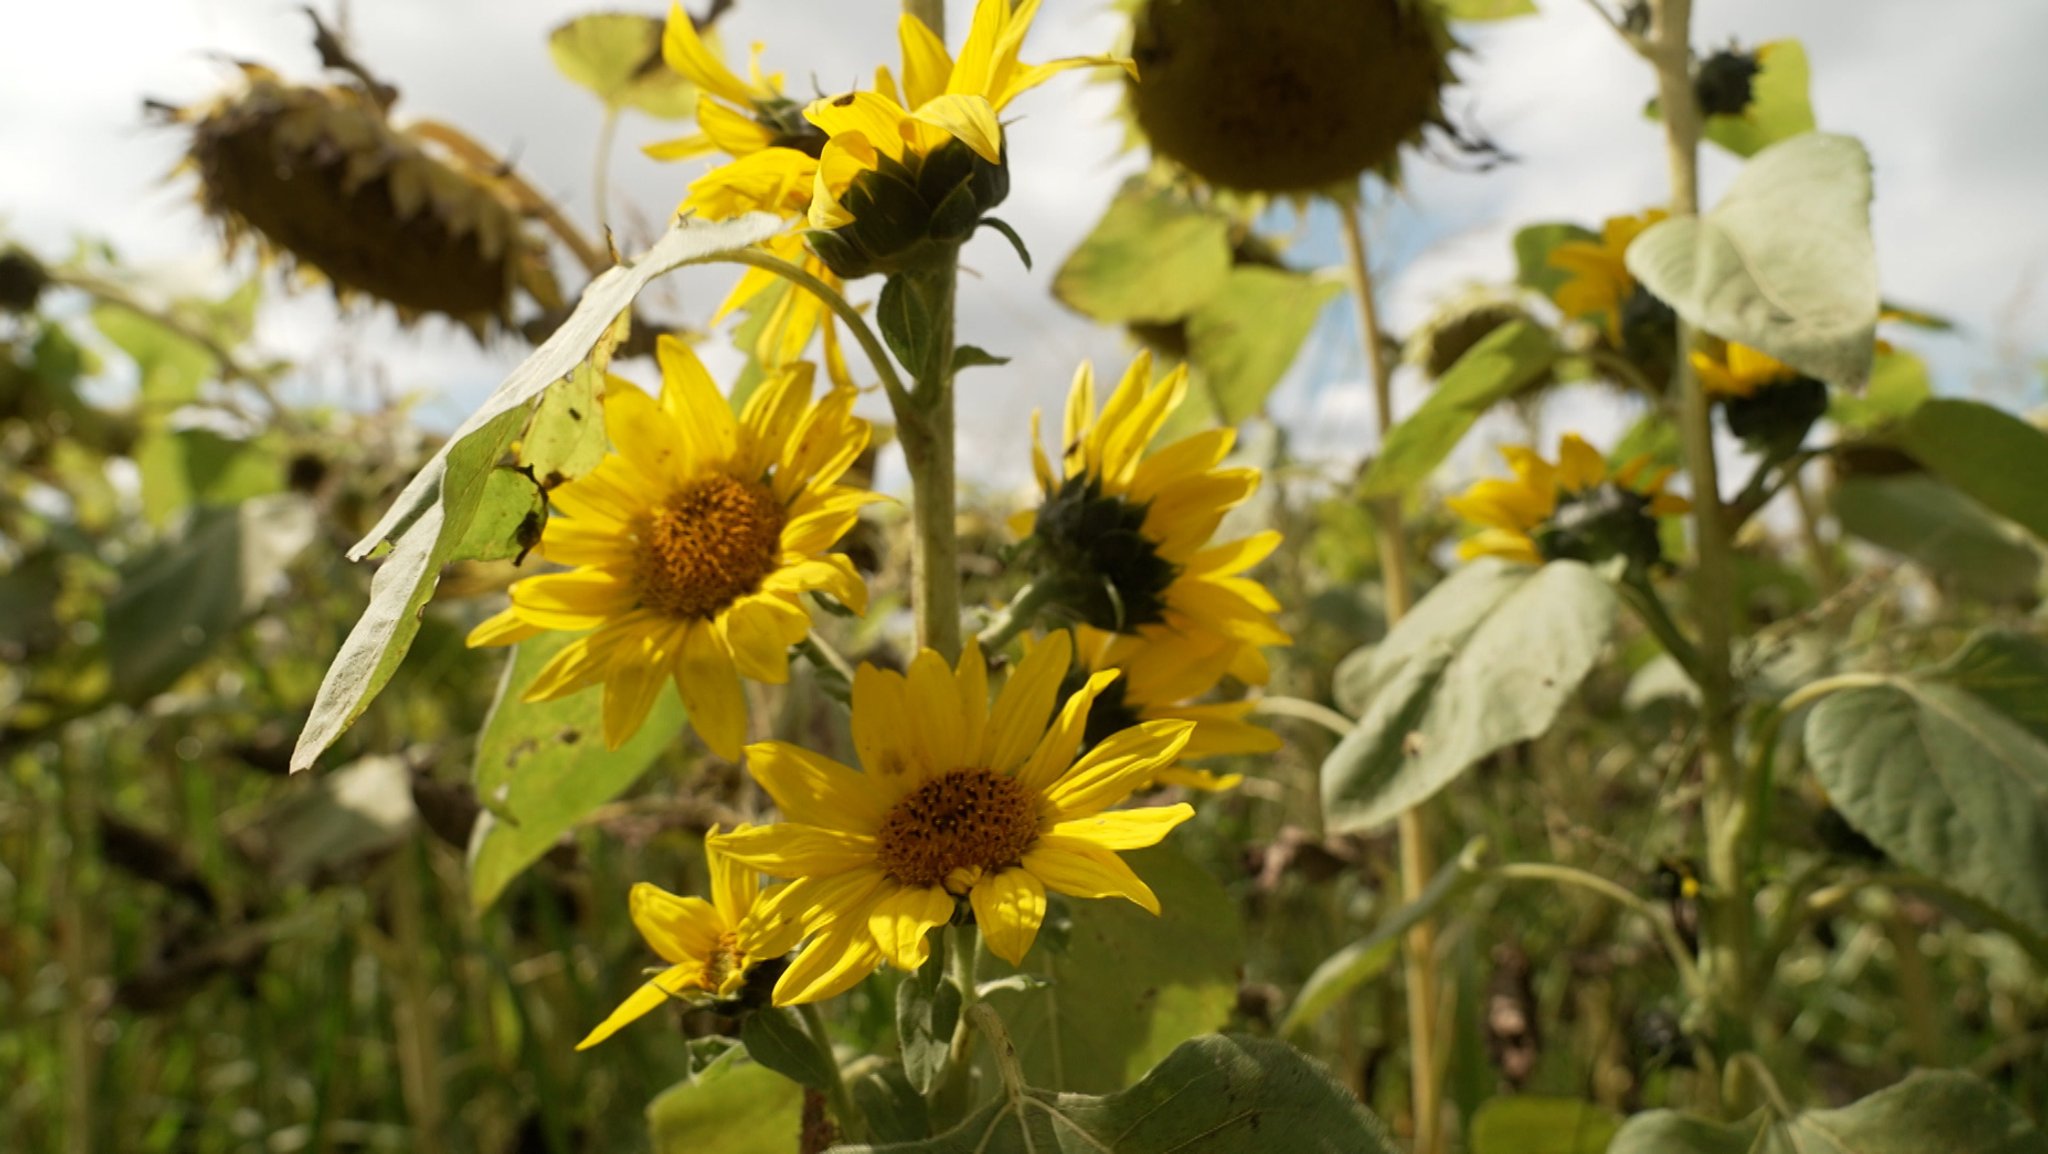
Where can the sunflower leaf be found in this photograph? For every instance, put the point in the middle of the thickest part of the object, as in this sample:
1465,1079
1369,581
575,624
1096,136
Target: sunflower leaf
1154,256
927,1009
733,1106
616,56
1998,459
775,1039
1489,658
1918,516
1946,1110
1507,360
1784,263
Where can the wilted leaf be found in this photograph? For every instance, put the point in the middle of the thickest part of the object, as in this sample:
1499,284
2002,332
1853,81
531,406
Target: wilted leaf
1785,263
543,766
1144,984
1154,256
1487,659
1214,1095
1918,516
1507,360
566,437
1998,459
1243,339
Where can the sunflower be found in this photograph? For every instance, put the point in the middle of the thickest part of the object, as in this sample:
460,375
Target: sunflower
1740,371
1573,509
1164,677
692,543
711,947
1601,288
1125,533
957,802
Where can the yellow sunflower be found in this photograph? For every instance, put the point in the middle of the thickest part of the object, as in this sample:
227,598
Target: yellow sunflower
1601,283
692,544
1166,678
1517,514
710,947
957,801
1739,371
1126,532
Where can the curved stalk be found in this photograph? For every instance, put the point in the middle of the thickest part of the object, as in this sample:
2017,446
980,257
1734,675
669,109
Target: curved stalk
863,334
1667,934
1300,709
1417,861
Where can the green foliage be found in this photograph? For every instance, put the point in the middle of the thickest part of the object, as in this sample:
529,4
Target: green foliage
1154,256
1477,10
1918,516
733,1106
188,467
1488,659
1944,1110
1533,245
1534,1125
1244,338
1999,460
1898,385
1942,779
1213,1095
616,56
775,1039
927,1010
1507,360
541,767
1147,984
566,437
1784,263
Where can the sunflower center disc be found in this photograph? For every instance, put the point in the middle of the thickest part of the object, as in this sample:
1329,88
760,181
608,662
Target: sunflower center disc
710,545
969,819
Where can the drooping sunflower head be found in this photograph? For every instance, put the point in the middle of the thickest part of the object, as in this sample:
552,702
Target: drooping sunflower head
692,546
319,175
1602,292
1288,96
1769,404
724,949
956,804
1166,677
1574,509
1125,532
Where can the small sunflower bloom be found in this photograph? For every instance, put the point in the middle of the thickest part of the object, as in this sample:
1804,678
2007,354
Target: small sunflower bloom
692,544
1601,290
1768,404
1127,532
711,947
1574,509
1170,678
1739,371
955,802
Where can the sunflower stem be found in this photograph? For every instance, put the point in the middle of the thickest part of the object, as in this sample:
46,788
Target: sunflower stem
951,1094
1417,860
1649,608
863,333
1019,615
924,423
1726,806
852,1123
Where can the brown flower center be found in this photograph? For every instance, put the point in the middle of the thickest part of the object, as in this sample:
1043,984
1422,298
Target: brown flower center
966,820
709,546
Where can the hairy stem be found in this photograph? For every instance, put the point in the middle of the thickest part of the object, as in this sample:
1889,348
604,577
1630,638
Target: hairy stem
863,333
1417,861
852,1123
925,426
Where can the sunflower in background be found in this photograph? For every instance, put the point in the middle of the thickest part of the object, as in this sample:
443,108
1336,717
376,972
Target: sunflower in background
954,802
1603,293
1575,509
1768,404
693,543
712,947
1125,533
1162,681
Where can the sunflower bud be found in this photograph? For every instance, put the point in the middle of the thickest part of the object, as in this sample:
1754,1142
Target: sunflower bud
1724,82
1603,522
21,281
1774,419
913,213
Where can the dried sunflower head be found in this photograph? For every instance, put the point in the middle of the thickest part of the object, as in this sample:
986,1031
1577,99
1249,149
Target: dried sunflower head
319,175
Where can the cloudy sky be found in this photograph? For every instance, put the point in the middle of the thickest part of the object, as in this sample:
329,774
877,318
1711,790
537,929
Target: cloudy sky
1949,103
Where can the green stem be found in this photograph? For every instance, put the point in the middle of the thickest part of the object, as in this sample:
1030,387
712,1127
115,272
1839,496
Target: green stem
1649,608
950,1094
852,1123
1667,934
870,344
1301,709
924,422
835,673
1019,615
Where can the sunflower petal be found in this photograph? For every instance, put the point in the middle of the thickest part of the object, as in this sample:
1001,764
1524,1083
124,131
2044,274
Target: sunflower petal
680,929
1119,765
832,964
1025,704
900,921
1084,870
1009,907
1126,828
793,850
709,684
814,789
637,1004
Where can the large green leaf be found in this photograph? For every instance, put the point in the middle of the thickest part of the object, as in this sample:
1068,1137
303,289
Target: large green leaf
1243,339
1784,263
1154,256
1779,107
617,57
2007,671
1998,459
176,602
1213,1095
1488,659
189,467
541,767
1535,1125
566,438
1898,384
172,366
1932,1110
1916,515
1366,959
1123,987
1507,360
432,516
1943,782
732,1106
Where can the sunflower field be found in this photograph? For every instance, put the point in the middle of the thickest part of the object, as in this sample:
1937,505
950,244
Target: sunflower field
1637,741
